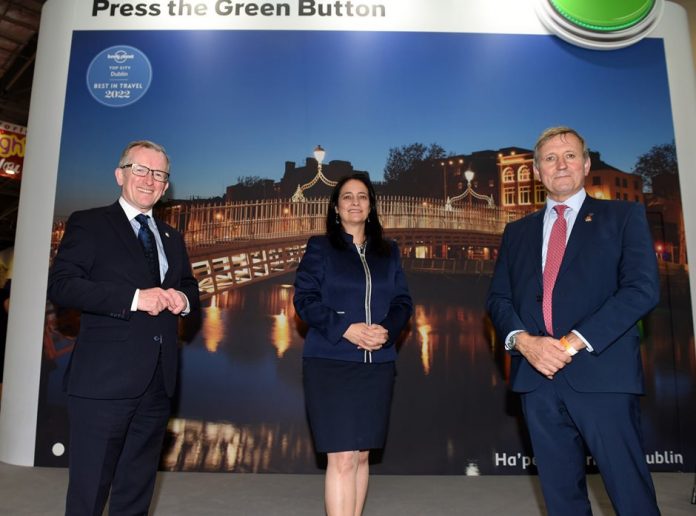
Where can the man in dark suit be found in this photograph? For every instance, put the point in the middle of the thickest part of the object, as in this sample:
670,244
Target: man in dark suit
570,284
131,278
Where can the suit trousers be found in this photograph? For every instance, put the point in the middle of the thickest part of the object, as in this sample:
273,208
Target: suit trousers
562,422
115,445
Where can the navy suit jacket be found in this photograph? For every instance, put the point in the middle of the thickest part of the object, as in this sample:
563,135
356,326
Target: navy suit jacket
99,265
331,291
608,280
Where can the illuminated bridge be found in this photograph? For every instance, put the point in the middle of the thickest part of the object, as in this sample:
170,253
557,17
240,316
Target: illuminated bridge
237,243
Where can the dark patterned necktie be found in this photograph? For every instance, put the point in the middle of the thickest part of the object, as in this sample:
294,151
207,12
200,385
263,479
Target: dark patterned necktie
554,257
147,240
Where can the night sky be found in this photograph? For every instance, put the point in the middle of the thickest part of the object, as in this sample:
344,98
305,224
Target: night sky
227,104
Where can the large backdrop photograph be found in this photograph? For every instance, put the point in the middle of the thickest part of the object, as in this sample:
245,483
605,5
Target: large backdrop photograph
260,124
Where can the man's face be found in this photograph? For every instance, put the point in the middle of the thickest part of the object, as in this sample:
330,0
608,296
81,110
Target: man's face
562,167
142,192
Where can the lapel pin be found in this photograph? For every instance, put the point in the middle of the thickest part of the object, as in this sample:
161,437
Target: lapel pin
588,217
167,234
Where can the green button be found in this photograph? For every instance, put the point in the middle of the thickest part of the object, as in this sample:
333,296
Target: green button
603,15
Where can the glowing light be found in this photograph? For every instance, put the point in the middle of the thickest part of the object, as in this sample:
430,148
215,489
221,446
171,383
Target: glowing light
280,334
424,328
212,329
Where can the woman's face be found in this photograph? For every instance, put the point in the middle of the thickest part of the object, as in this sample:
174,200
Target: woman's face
353,203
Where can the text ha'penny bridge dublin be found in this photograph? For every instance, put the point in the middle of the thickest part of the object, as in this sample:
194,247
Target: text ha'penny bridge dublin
237,243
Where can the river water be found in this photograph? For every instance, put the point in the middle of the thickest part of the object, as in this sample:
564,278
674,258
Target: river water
241,404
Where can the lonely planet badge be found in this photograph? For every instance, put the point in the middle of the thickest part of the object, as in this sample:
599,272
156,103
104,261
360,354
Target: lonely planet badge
119,76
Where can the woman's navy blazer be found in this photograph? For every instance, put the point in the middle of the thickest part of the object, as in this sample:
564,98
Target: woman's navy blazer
333,290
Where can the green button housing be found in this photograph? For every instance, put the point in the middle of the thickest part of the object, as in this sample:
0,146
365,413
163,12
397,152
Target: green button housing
603,15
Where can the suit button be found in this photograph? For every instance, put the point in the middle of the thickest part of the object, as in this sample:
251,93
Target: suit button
157,338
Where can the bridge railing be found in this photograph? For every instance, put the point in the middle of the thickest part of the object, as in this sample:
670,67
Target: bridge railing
409,213
212,224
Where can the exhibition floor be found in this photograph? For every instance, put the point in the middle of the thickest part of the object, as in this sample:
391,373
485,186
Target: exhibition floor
40,492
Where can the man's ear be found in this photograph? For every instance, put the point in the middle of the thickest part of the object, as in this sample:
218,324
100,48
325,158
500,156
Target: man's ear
119,176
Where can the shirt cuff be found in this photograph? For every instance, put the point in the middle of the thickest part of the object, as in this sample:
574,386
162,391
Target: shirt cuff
134,304
186,310
587,344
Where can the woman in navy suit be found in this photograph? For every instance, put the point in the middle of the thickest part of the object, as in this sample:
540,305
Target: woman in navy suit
352,293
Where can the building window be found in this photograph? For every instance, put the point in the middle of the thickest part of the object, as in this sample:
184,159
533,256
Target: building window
525,195
617,181
508,175
636,186
624,182
596,180
509,195
625,197
637,198
618,195
539,194
523,174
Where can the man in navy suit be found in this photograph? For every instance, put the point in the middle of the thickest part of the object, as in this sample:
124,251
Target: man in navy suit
577,365
130,277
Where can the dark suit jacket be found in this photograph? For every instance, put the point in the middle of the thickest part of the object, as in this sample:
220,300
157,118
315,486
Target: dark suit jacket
99,265
331,287
607,281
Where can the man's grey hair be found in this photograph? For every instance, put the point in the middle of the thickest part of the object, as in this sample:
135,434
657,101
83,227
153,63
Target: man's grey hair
146,144
552,132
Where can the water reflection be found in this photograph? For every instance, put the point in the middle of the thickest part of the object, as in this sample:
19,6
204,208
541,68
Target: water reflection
245,368
242,407
209,446
280,335
212,329
424,329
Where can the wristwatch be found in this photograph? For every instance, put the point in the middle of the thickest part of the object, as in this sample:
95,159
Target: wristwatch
512,343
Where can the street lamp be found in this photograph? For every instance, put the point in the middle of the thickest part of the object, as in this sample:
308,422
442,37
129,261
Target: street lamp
469,176
319,154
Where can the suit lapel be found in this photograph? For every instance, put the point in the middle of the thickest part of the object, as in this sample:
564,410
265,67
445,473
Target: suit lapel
122,227
124,230
119,221
580,235
536,243
168,245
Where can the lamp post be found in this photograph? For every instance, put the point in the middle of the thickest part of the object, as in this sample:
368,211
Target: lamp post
319,154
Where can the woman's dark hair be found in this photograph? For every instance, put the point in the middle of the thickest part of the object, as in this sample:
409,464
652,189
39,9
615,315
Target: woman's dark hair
373,228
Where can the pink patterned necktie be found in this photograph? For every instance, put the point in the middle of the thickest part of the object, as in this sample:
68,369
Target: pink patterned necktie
554,256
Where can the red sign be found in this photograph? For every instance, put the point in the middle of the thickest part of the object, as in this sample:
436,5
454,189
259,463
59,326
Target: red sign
13,140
